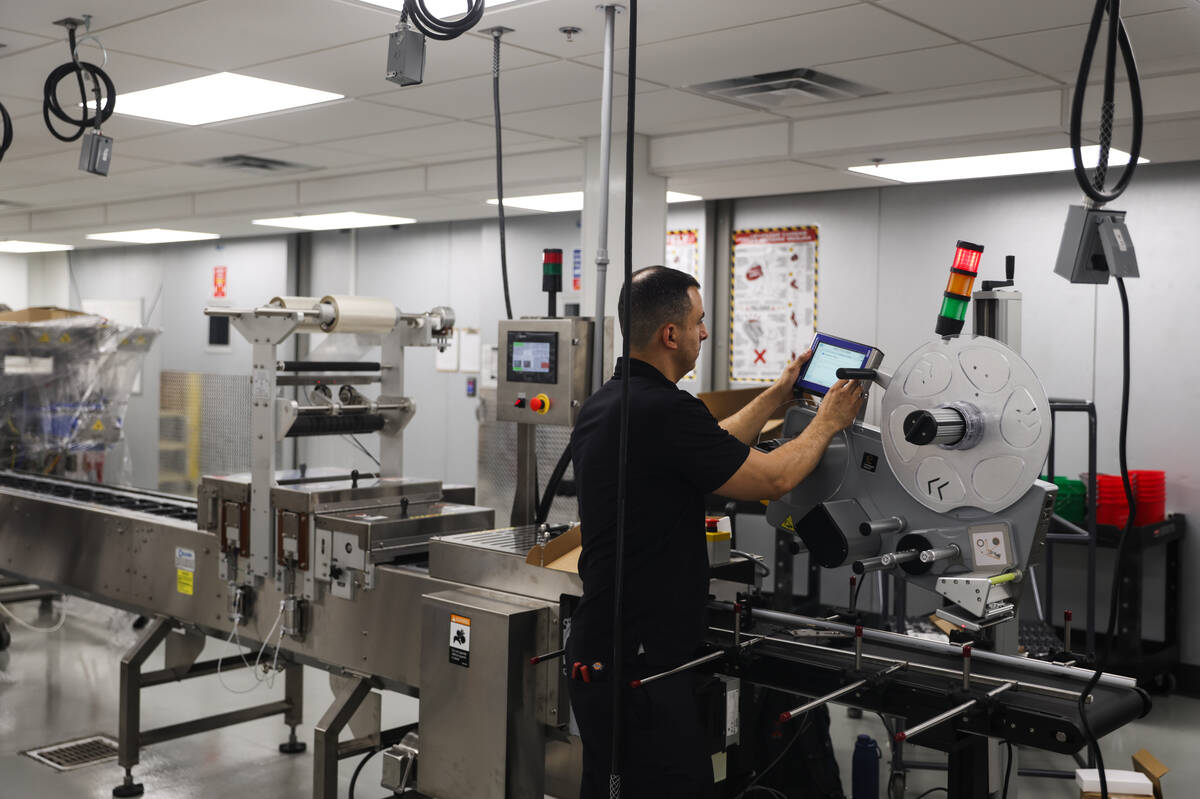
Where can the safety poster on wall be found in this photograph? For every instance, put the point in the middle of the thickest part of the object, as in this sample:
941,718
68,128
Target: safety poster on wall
683,253
773,300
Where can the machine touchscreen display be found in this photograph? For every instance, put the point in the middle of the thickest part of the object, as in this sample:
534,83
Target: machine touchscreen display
532,357
829,355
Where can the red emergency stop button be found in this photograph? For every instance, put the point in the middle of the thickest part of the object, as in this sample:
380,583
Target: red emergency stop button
540,404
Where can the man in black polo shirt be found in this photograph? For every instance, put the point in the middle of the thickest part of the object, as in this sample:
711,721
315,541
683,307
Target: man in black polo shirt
677,453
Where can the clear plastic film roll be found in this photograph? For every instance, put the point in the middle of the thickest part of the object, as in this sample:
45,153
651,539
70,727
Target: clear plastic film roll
360,314
310,323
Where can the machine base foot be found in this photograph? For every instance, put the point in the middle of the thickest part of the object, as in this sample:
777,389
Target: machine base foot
293,747
129,789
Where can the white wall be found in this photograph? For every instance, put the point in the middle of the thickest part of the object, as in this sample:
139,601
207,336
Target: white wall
14,281
884,257
422,266
257,270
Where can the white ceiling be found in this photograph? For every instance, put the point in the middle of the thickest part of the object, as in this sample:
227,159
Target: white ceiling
949,77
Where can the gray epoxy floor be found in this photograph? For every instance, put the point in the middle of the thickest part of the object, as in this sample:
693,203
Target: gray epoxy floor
64,685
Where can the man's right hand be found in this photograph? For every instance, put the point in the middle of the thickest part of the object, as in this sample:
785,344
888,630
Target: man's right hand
841,404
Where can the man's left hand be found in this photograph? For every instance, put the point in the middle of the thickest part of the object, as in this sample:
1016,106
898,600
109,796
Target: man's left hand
782,388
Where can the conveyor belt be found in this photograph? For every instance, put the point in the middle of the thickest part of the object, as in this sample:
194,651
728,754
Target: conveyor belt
150,502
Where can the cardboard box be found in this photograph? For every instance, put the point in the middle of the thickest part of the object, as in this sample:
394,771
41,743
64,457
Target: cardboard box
723,404
41,313
561,553
1150,765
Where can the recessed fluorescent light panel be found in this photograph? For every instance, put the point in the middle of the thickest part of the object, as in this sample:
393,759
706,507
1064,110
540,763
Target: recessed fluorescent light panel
680,197
215,98
550,203
335,221
442,9
990,166
154,235
12,245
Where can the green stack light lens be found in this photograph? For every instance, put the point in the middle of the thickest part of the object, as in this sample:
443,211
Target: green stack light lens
955,308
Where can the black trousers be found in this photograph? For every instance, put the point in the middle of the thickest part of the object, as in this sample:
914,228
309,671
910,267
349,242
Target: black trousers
664,749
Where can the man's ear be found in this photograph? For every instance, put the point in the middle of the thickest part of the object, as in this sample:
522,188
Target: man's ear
668,336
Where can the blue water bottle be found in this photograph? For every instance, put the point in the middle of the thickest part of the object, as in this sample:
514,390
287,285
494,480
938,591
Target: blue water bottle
864,771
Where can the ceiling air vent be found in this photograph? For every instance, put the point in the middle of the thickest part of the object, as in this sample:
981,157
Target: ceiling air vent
252,163
785,88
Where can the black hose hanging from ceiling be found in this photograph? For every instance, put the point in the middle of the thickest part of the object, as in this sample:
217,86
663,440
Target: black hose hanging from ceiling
1117,39
436,28
618,681
7,136
51,105
496,33
556,476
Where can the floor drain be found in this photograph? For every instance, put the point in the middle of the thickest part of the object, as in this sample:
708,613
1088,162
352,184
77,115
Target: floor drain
76,754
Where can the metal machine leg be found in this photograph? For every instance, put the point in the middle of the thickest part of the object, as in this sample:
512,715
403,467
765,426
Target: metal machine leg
129,732
969,772
325,737
293,694
524,510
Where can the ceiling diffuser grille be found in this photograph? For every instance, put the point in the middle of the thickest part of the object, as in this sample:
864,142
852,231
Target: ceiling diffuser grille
252,163
784,88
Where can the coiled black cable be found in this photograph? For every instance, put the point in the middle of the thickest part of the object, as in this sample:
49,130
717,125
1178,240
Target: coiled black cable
7,136
1117,39
439,29
51,105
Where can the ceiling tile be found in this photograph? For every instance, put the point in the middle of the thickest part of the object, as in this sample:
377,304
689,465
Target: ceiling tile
1160,38
38,17
320,157
542,86
357,69
14,41
230,34
841,34
66,165
198,144
657,112
452,138
878,102
24,74
986,20
337,120
536,25
925,69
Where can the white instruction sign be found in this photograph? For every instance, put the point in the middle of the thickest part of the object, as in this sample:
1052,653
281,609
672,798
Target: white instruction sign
683,253
460,640
773,305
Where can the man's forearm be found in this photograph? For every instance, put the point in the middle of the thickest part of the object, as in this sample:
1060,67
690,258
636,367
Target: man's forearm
746,424
797,459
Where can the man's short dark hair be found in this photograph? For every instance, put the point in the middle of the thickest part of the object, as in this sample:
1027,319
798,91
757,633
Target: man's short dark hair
660,297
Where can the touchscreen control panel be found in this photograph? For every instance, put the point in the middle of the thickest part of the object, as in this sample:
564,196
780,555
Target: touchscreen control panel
545,369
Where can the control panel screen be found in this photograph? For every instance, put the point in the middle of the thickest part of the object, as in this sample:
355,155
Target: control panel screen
532,357
829,355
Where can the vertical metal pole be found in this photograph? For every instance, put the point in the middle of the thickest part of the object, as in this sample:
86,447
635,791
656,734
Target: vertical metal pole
391,438
606,93
524,509
293,693
262,456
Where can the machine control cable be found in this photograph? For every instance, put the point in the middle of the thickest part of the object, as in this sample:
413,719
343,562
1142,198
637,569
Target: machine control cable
1116,39
496,34
618,689
52,107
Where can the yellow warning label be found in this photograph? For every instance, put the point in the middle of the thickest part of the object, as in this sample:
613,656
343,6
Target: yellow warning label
44,338
98,426
184,581
65,338
788,525
463,620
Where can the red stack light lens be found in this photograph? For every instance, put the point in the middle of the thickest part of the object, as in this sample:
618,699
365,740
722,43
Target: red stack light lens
967,258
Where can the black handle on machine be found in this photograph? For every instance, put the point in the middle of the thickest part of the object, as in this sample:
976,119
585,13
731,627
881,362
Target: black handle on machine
857,374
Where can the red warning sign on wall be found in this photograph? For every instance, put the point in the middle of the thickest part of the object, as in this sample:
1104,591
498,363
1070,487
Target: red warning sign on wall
219,284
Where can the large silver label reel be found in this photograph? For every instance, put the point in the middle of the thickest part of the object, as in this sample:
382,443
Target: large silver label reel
1007,420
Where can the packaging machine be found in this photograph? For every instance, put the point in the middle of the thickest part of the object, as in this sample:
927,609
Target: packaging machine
396,583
